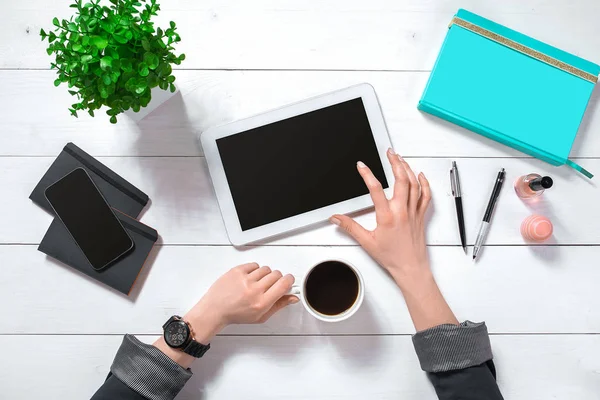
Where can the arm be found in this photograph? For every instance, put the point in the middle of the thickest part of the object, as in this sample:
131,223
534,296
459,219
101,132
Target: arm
457,357
247,294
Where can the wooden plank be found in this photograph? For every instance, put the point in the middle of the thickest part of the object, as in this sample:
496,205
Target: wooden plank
363,367
209,98
514,289
184,209
355,35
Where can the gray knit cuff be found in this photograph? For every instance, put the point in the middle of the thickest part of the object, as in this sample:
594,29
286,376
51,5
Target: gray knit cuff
450,347
148,371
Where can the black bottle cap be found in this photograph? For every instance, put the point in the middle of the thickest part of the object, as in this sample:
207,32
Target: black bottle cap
542,183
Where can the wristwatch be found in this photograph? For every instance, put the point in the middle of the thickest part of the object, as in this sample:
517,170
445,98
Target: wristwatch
178,334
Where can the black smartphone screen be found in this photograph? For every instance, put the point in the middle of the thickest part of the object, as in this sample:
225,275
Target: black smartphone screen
88,217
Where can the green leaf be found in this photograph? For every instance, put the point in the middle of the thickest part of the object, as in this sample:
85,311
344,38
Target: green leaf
72,27
106,62
164,69
73,112
106,79
135,108
49,50
141,86
111,52
86,58
56,82
143,69
103,91
146,45
43,34
107,26
182,57
172,24
152,80
170,79
172,88
99,42
56,22
51,37
91,112
151,60
85,40
126,65
163,85
77,47
73,93
120,39
113,119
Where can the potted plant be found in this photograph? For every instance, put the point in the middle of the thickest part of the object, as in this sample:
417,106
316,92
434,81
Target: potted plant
111,55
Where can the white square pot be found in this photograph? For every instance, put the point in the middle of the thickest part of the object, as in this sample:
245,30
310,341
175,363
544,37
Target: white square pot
159,96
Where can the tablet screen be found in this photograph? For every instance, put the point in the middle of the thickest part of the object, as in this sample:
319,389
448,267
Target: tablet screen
299,164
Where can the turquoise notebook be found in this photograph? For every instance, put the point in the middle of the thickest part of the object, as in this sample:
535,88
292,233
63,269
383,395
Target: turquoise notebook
510,88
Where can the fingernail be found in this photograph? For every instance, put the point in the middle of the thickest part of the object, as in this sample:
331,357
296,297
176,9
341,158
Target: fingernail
334,220
400,157
391,151
361,164
421,174
293,300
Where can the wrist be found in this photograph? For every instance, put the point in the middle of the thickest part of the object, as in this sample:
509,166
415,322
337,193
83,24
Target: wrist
205,321
413,281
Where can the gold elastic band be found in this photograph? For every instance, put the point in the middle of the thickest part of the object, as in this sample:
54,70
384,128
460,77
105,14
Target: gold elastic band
525,50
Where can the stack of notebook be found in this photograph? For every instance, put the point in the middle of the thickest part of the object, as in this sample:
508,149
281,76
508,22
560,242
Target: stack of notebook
121,195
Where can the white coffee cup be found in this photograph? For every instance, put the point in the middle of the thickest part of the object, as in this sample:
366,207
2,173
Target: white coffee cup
299,289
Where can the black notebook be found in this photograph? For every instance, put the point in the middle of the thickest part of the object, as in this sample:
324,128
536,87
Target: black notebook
121,275
119,193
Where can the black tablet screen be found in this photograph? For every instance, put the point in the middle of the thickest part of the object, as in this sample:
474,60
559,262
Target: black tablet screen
299,164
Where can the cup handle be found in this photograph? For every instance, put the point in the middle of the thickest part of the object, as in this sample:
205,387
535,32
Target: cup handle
295,290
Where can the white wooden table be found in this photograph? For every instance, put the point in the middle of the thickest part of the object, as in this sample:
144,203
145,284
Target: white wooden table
59,330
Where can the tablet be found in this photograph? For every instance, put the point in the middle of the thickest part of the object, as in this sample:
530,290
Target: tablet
296,166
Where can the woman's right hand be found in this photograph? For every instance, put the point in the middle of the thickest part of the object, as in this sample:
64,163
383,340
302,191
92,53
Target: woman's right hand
398,241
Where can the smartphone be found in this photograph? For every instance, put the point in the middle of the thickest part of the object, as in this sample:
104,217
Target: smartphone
89,219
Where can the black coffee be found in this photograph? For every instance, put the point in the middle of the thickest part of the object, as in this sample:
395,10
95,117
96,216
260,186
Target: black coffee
331,288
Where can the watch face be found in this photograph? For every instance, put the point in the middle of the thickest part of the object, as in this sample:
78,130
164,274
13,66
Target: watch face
176,333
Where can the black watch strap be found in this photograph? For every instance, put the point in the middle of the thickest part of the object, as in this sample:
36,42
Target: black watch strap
196,349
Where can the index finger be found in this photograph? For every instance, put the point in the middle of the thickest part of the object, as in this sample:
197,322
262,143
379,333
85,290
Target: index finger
279,288
380,201
249,267
402,184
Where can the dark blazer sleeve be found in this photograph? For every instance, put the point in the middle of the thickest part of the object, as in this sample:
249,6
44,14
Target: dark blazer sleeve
142,372
458,361
114,389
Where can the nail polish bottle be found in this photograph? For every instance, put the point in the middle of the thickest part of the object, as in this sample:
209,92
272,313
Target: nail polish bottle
536,228
532,185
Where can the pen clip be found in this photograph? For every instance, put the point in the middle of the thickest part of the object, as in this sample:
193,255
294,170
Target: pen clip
454,182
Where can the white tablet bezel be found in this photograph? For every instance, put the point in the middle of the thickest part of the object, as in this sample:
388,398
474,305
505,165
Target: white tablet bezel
219,179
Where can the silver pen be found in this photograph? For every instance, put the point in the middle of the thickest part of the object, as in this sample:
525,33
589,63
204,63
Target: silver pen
485,224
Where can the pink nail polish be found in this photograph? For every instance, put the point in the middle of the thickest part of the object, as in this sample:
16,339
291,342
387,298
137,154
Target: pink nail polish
361,164
532,185
536,228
